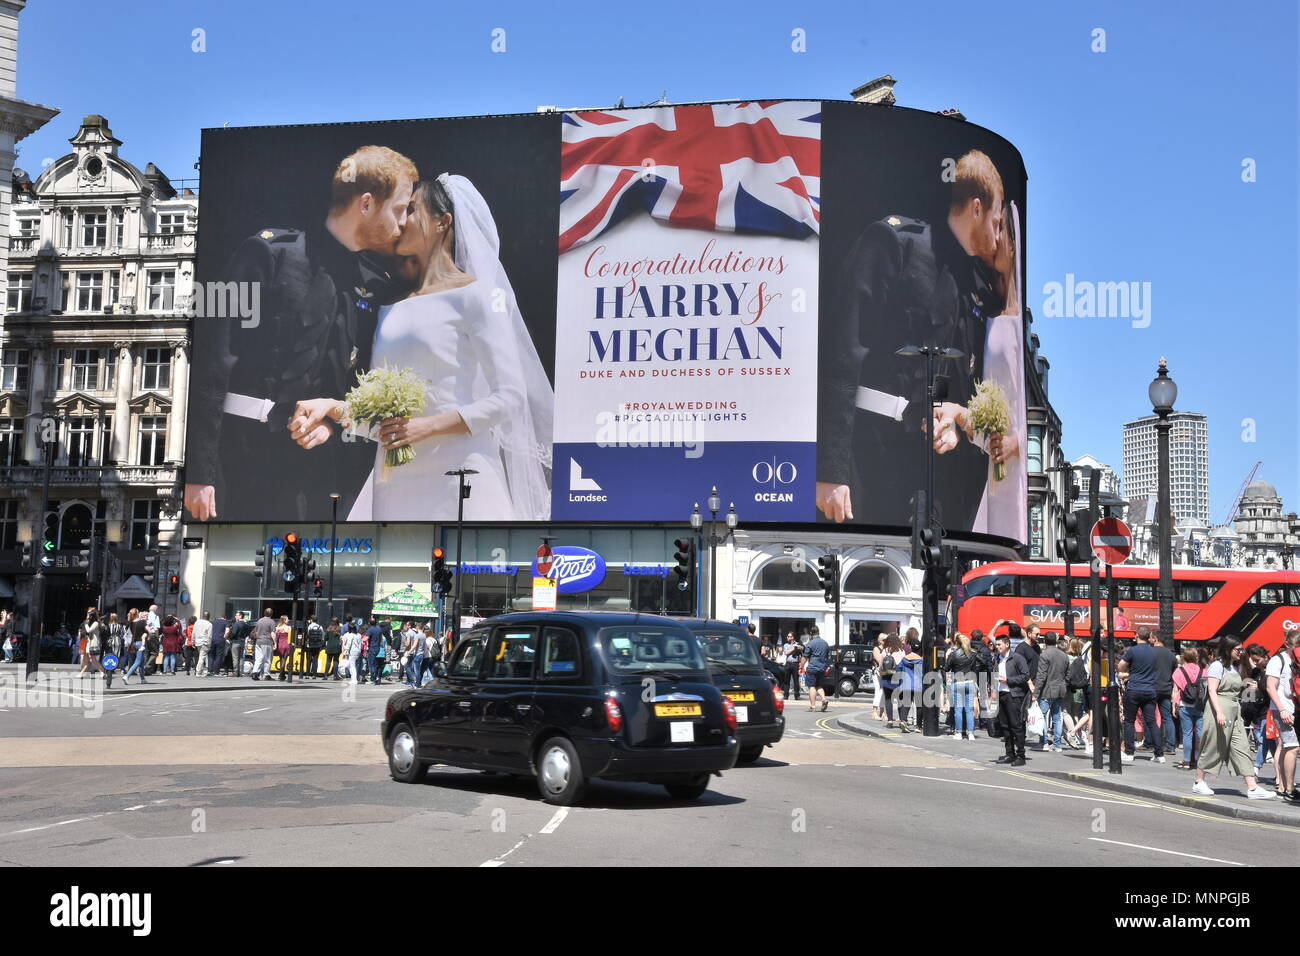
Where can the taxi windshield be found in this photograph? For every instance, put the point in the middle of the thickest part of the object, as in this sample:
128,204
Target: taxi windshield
640,650
734,649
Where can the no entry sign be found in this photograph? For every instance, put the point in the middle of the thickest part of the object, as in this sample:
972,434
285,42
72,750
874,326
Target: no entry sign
1112,541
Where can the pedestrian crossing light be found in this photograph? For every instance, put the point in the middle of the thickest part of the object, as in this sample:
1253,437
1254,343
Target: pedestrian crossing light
259,563
173,583
86,556
28,551
318,587
441,573
1078,549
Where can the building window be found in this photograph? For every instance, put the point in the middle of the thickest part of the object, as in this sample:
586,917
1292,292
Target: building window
8,525
90,291
27,228
162,290
872,579
11,441
157,372
1034,450
171,223
85,370
114,288
67,230
788,574
153,440
19,295
119,228
81,442
13,370
146,519
94,229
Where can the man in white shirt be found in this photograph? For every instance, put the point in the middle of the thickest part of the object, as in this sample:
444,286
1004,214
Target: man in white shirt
203,642
1278,675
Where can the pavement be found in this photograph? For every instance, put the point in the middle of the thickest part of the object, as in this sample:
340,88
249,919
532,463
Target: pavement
179,682
1143,778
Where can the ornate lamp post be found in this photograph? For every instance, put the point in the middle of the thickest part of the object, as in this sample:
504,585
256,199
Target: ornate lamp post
1163,392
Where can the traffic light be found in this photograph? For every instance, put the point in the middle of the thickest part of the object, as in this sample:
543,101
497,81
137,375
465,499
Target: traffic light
28,551
1077,546
173,583
829,574
150,571
86,556
920,521
49,538
685,558
291,561
945,572
1058,590
318,587
259,563
441,573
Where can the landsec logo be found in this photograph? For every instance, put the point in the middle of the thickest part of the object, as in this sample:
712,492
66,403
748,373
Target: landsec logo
574,569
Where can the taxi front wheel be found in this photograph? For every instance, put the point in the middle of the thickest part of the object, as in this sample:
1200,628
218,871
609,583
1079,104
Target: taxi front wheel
403,765
689,791
559,773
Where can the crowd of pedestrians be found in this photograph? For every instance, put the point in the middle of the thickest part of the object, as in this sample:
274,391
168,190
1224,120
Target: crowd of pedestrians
149,644
1231,708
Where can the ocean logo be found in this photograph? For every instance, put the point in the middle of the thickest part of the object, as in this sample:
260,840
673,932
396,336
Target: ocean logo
574,569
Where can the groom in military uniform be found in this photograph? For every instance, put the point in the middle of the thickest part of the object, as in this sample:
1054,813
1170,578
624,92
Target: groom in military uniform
909,282
320,290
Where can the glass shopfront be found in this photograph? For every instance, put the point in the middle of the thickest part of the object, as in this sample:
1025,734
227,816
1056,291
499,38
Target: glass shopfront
497,563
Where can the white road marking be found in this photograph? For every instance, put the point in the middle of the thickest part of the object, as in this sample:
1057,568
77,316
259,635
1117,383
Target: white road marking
138,806
556,820
51,826
257,710
1156,849
1045,793
125,712
498,860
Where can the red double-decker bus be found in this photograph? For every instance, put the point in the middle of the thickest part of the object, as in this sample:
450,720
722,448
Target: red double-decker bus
1257,606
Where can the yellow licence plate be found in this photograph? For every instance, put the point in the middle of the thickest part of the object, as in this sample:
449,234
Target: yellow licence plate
741,696
678,710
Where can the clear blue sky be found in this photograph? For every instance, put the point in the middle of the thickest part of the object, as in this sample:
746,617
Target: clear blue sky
1134,155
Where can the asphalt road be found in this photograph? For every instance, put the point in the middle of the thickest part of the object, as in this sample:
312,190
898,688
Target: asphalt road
272,776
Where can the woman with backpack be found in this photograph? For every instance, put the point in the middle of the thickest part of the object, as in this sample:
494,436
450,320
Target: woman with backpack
909,681
886,671
1227,740
1190,696
962,667
171,643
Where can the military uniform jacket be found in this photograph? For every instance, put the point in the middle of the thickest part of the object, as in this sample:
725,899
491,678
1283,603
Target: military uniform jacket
315,329
904,283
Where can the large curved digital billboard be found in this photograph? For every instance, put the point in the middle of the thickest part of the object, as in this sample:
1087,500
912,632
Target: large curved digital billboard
605,313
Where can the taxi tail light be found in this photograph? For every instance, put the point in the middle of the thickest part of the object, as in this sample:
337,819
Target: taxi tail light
729,711
614,715
779,699
388,711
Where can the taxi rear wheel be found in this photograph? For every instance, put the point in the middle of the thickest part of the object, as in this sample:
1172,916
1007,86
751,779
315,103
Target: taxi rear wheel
403,764
750,754
847,687
559,773
689,791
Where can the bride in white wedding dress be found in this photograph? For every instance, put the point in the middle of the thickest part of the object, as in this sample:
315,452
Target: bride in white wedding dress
490,405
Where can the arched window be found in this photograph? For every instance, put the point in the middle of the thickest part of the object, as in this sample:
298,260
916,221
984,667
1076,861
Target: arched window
872,579
780,575
76,524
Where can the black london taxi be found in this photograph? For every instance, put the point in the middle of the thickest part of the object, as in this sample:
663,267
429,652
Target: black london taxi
738,672
566,697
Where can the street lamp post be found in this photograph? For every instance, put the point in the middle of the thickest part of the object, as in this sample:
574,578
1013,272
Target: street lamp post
731,520
334,546
36,618
1163,392
936,390
464,493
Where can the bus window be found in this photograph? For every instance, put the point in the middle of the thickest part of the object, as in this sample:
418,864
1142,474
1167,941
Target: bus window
1269,594
991,585
1035,586
1196,592
1143,591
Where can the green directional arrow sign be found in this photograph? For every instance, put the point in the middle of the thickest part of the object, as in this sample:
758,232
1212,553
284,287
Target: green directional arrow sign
48,545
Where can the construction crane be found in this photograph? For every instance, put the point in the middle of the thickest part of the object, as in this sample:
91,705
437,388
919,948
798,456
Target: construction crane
1236,499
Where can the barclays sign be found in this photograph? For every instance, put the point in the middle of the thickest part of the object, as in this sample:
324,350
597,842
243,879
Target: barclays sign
574,569
337,545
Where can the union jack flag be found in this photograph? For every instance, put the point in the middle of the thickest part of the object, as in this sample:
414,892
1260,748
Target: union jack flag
739,166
